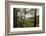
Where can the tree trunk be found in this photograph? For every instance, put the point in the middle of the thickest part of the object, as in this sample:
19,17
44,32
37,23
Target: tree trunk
15,11
35,18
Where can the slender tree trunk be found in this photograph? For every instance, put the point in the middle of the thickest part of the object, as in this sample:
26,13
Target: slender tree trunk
14,17
24,17
35,18
21,19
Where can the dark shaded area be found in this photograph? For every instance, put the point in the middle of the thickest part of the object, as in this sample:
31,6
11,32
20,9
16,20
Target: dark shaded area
15,17
35,18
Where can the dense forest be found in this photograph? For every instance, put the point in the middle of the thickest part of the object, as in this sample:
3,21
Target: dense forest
25,17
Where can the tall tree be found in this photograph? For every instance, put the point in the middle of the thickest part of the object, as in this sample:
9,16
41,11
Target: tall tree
15,16
15,12
24,14
35,18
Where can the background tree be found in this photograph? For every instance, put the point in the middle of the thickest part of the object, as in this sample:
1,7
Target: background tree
24,14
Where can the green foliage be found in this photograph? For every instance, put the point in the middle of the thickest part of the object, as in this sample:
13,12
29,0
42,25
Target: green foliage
29,22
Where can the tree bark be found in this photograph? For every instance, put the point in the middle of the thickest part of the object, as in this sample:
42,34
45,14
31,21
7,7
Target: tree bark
35,18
